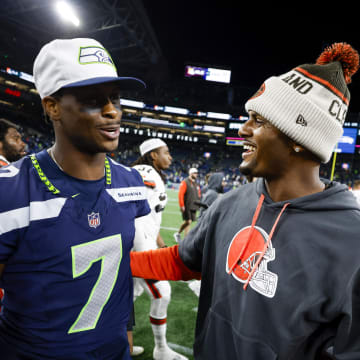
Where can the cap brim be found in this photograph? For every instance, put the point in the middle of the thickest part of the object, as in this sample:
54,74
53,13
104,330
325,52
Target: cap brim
125,83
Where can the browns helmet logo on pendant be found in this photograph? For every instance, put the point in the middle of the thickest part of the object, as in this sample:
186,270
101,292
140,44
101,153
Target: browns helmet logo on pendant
263,281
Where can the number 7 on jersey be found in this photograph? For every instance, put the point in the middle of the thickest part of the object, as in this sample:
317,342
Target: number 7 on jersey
109,251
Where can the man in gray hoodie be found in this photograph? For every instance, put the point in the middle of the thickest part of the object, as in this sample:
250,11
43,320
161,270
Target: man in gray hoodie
214,187
279,257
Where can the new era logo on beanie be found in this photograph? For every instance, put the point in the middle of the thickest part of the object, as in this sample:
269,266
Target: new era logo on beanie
309,103
301,121
77,62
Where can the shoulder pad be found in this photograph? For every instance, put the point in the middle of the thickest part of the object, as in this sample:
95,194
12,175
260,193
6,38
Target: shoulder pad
148,174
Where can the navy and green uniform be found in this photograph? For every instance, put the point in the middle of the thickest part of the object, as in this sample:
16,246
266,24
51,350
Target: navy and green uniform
65,244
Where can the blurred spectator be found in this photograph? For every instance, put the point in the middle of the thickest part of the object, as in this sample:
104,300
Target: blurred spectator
356,190
12,148
215,188
189,194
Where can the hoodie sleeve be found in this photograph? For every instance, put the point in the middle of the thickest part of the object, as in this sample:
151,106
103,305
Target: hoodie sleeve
210,197
181,194
161,264
347,339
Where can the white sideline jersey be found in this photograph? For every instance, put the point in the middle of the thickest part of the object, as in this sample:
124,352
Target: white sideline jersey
147,227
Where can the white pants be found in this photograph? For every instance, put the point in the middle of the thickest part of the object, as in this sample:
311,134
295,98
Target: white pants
159,293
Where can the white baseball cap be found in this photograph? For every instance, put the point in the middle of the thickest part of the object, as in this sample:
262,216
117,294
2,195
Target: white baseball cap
151,144
193,171
64,63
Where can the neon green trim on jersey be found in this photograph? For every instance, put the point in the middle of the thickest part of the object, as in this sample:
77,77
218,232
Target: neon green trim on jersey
52,188
107,171
42,176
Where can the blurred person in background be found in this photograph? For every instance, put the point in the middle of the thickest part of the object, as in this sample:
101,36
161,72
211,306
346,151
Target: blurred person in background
206,183
216,184
155,157
12,147
356,190
215,187
189,193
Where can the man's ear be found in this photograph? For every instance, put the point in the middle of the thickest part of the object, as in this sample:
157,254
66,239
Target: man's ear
51,107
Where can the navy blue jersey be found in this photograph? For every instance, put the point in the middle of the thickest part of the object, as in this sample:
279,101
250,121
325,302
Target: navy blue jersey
66,244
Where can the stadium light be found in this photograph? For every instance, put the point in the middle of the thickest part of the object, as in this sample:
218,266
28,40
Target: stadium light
218,115
67,13
132,103
176,110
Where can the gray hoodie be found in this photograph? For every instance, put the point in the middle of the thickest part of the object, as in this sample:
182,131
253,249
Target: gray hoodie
214,188
302,297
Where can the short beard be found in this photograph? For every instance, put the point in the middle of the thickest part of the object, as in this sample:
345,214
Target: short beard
245,171
9,153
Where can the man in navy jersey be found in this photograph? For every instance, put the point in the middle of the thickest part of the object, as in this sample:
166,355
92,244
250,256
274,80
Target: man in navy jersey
12,148
67,217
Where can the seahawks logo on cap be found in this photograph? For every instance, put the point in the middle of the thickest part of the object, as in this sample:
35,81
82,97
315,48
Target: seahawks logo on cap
94,55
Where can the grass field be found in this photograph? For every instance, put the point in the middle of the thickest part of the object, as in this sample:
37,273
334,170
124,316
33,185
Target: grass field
183,305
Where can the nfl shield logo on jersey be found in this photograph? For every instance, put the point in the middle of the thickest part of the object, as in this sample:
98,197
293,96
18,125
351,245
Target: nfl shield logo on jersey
94,220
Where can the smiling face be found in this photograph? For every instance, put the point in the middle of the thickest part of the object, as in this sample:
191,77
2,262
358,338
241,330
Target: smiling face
88,118
267,151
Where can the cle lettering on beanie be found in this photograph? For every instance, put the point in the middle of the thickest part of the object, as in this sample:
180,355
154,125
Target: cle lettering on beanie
309,103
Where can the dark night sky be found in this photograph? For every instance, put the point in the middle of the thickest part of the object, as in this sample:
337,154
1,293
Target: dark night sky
254,41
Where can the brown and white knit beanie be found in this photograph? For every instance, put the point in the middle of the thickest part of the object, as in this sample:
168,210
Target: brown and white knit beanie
309,103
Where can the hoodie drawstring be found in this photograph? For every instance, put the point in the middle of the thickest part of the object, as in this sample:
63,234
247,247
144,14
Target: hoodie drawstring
242,250
266,245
